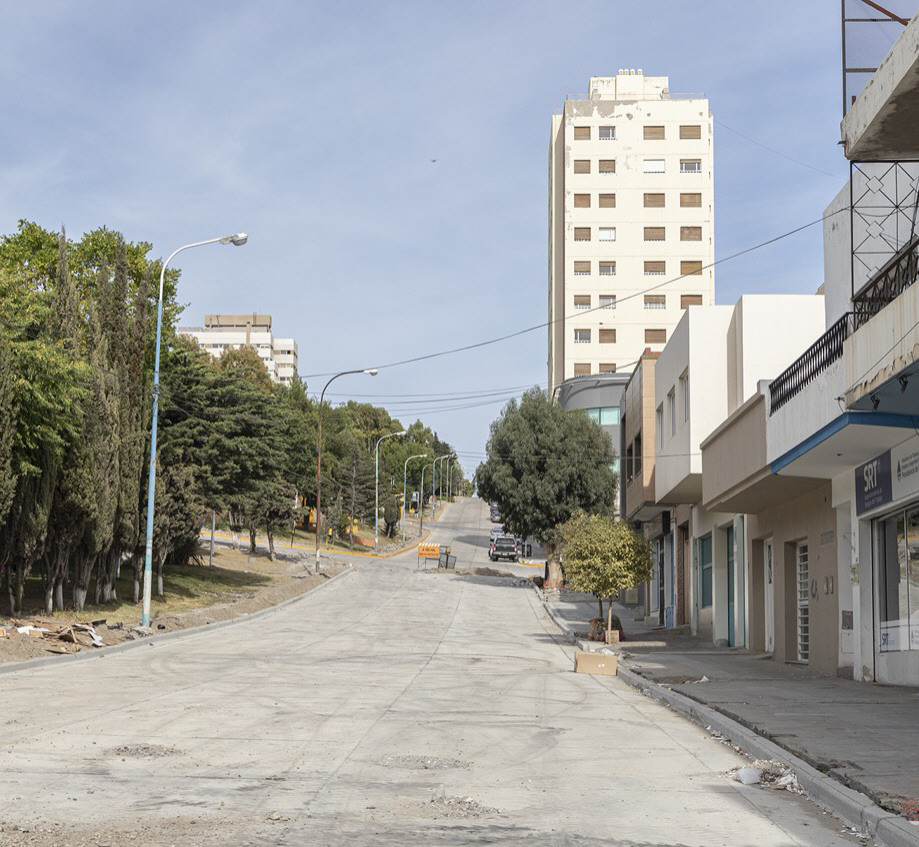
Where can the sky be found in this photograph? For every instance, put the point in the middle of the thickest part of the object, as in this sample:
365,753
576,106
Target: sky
389,161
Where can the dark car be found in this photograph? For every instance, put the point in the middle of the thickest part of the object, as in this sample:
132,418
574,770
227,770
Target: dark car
495,515
503,547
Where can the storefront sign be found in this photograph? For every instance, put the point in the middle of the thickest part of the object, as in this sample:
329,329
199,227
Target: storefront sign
904,467
873,484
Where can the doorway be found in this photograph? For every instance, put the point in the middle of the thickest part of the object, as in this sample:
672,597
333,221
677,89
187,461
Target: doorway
769,594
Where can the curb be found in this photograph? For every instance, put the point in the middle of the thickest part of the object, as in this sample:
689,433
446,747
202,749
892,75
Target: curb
851,806
151,641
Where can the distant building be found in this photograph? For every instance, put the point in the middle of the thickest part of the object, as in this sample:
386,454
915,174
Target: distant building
230,332
631,222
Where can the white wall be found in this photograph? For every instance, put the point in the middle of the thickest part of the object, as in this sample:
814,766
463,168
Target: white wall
699,342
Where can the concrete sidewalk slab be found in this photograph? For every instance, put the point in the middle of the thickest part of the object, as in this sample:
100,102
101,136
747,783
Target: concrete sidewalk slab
853,746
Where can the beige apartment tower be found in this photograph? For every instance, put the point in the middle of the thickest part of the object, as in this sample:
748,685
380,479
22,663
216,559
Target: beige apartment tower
631,222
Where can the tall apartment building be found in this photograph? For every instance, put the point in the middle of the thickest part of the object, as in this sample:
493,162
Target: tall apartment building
631,222
228,332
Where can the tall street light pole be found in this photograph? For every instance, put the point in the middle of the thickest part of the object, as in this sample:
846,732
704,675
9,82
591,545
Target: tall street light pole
433,478
405,487
238,240
369,372
421,500
376,490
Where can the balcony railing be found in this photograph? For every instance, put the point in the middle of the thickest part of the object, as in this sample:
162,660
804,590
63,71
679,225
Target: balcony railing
815,360
900,272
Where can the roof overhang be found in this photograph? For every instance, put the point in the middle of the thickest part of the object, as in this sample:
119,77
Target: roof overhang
844,443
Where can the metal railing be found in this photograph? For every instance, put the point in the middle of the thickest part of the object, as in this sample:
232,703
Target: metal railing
898,274
814,361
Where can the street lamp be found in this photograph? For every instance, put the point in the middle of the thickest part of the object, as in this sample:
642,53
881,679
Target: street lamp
369,372
376,490
421,500
405,487
433,478
237,240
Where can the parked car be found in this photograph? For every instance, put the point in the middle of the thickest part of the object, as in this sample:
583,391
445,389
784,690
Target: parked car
504,547
496,531
495,514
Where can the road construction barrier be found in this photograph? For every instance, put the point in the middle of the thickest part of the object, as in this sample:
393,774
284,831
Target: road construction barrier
429,551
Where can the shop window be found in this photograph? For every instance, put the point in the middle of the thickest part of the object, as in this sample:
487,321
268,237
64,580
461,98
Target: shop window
898,557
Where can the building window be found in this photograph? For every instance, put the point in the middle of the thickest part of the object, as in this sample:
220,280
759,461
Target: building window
687,300
582,336
607,367
705,570
607,301
582,368
690,200
582,268
684,395
655,336
608,269
607,133
607,201
671,408
607,233
655,233
898,590
607,166
582,166
654,201
690,233
582,133
637,453
607,336
660,427
691,268
690,166
582,233
581,201
605,416
654,133
629,470
655,268
654,166
690,131
581,301
655,301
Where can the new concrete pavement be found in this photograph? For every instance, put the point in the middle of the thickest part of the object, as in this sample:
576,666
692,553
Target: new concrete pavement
395,706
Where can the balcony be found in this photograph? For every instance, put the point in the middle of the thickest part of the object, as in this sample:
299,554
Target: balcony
887,284
813,362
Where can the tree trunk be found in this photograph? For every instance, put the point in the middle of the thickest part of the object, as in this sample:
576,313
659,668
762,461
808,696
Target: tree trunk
252,531
600,601
270,532
59,593
49,598
160,561
79,597
137,561
556,574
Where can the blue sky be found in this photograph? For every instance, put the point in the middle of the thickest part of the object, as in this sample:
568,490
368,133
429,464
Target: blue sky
312,127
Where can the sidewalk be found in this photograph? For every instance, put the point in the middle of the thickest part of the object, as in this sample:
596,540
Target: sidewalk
853,745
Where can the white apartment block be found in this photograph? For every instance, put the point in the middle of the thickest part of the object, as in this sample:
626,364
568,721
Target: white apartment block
631,222
230,332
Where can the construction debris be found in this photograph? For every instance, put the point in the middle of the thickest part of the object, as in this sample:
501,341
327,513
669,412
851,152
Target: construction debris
77,634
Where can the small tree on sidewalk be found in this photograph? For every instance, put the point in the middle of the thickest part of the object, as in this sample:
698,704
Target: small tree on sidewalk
603,556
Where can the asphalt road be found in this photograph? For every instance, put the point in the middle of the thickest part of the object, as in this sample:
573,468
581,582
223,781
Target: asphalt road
392,707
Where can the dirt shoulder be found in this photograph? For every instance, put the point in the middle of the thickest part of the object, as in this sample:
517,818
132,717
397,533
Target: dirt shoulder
238,583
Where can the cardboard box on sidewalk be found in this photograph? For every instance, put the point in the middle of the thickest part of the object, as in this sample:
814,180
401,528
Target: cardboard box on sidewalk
595,663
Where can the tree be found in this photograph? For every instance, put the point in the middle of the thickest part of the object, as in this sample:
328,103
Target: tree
603,556
544,464
391,515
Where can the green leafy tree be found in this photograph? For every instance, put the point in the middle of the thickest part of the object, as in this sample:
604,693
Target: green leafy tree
543,464
391,515
603,556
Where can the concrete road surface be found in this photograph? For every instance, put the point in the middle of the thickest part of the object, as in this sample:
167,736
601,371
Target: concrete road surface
391,707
